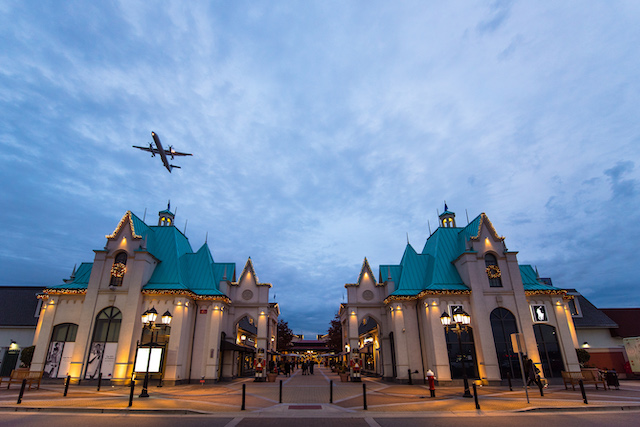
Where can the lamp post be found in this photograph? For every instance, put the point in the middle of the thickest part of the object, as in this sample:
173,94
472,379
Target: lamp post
461,321
149,322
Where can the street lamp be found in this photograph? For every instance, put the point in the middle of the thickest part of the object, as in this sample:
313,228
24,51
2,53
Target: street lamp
461,320
148,322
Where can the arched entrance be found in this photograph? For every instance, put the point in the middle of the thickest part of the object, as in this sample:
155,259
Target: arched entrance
549,350
63,341
503,324
369,345
104,344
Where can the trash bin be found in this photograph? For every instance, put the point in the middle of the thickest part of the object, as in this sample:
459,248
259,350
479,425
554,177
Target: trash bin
612,379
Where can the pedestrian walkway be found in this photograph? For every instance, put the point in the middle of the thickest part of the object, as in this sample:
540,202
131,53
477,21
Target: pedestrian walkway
311,395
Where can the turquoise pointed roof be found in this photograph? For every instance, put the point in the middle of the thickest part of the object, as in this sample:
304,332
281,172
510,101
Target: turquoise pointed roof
434,269
179,268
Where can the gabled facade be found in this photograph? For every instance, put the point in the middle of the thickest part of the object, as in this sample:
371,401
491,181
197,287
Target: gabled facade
459,267
92,323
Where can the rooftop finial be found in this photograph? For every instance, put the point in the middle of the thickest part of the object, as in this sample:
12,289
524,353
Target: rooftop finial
445,206
169,205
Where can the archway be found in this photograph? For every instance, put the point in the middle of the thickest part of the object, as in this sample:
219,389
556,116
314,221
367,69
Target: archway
104,343
549,350
503,324
63,339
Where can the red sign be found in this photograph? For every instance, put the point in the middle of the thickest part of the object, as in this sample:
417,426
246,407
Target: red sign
203,311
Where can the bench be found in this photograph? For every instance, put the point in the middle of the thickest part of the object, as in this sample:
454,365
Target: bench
588,376
18,375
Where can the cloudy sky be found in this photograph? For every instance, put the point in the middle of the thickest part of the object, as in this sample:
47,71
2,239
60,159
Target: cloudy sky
324,132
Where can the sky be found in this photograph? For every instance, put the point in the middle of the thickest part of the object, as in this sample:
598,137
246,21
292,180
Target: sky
324,132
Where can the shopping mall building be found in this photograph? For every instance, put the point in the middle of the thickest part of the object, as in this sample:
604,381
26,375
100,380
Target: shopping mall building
394,322
149,303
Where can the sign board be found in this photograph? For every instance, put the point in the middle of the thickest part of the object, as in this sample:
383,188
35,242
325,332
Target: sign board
154,360
517,343
632,346
539,313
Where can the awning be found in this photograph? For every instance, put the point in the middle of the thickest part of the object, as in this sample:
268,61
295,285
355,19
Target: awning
229,346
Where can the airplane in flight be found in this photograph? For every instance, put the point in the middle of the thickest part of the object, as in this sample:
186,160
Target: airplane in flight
163,153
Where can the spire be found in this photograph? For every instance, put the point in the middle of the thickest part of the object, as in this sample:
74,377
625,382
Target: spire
166,217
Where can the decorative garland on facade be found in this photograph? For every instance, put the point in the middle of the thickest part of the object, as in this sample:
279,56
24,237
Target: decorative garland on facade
547,292
493,229
493,272
118,270
424,293
46,292
185,293
120,224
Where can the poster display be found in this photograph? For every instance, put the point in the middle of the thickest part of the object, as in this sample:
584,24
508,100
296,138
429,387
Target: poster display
154,359
102,357
65,361
52,363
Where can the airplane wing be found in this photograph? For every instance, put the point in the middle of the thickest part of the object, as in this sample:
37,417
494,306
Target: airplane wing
177,153
149,149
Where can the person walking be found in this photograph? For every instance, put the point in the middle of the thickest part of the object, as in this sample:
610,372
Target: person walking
287,368
311,363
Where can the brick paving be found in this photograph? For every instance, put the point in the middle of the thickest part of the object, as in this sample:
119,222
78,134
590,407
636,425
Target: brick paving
305,394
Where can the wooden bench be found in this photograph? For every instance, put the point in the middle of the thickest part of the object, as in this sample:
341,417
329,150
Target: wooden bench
17,375
588,376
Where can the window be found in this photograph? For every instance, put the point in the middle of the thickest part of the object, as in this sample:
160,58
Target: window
493,271
573,307
118,269
503,324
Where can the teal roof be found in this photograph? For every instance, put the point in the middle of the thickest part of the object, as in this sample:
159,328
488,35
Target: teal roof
80,280
531,282
434,270
179,268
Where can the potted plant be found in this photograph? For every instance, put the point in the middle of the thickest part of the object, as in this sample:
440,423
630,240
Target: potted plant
342,372
272,374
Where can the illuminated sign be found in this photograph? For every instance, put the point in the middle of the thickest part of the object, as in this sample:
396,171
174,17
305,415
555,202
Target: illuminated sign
154,360
539,313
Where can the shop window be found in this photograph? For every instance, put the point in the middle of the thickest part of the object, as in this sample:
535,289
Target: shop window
61,347
104,343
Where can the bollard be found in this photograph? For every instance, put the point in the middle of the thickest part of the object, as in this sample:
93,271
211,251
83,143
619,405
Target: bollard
364,396
584,395
475,395
99,380
509,380
133,386
24,384
244,390
66,385
410,381
331,391
280,391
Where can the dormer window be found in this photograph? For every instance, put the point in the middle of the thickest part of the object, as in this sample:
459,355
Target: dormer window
493,271
118,269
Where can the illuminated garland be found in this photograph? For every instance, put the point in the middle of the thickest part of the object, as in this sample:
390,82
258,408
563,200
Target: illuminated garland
493,272
484,217
118,270
424,293
351,284
546,292
127,216
46,292
189,294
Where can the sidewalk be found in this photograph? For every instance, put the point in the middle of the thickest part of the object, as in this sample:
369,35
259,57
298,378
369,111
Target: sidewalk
309,396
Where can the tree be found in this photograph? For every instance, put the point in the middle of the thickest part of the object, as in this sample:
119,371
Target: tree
285,335
583,357
26,356
335,334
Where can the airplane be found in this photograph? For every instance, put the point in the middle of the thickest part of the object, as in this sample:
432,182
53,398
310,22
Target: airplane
163,154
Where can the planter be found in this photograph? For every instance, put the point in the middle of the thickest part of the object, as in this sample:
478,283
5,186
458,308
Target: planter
271,377
344,377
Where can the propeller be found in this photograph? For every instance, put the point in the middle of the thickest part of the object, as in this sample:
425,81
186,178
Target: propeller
151,149
171,151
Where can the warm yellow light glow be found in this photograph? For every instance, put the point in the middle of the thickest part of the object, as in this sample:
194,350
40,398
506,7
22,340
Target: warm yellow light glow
353,313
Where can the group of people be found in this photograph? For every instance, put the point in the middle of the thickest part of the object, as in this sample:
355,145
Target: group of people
287,367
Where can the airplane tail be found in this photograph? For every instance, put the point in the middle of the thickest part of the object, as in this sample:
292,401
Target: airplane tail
174,166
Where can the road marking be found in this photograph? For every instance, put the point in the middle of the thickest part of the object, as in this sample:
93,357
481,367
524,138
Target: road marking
372,422
234,422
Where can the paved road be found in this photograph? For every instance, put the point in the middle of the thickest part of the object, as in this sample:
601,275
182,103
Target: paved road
521,420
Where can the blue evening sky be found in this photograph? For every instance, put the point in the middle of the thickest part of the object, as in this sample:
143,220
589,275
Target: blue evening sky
324,132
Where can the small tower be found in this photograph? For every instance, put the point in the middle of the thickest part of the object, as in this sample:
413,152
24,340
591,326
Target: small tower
447,219
165,217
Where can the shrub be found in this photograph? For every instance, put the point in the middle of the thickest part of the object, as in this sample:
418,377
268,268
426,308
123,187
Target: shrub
26,356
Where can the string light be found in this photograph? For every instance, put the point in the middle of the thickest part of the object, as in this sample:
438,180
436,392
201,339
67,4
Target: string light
127,216
484,217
